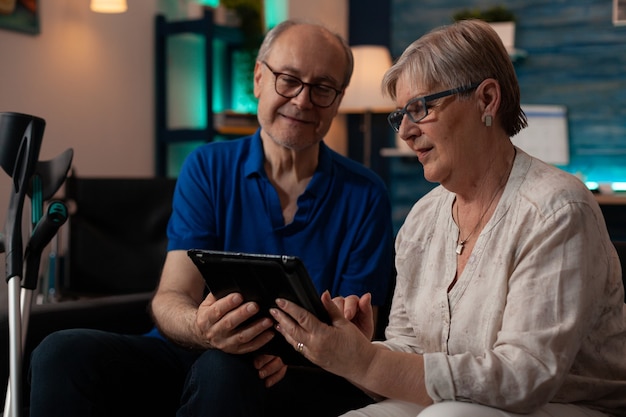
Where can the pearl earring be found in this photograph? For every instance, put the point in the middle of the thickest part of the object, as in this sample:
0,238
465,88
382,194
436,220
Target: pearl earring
488,120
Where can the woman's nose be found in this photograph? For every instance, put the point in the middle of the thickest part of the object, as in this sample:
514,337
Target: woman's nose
408,129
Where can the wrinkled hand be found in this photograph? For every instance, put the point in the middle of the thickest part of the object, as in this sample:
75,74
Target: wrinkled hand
271,369
219,323
340,348
359,311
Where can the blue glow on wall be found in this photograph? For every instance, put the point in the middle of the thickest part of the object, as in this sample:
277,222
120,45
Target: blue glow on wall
576,58
275,11
186,106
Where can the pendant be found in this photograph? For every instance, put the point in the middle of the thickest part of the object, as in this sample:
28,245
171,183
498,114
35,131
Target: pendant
459,248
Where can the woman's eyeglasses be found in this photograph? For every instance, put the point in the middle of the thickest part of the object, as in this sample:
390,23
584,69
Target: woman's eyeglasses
417,108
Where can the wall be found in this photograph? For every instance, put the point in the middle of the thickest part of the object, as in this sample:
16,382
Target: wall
90,76
576,58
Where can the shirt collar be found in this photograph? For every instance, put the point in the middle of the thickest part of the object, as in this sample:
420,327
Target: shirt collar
254,163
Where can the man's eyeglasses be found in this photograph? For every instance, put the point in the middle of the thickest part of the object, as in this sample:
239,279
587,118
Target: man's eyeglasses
417,108
289,86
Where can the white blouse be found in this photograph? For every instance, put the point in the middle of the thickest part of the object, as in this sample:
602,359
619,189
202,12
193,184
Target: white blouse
538,313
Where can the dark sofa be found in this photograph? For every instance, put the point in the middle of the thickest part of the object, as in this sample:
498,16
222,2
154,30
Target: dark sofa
116,244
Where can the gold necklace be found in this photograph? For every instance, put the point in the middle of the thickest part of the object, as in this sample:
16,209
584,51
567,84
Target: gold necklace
461,244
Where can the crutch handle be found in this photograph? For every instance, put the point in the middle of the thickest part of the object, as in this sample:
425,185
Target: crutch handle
44,231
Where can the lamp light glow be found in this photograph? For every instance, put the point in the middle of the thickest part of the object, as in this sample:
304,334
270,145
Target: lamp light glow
364,94
108,6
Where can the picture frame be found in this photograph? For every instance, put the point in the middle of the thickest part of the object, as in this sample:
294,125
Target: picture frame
20,16
619,12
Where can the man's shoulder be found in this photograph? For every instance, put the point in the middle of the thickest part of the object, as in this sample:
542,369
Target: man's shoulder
222,154
225,146
355,171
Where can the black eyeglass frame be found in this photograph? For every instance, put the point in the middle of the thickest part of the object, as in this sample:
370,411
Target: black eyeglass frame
302,85
398,115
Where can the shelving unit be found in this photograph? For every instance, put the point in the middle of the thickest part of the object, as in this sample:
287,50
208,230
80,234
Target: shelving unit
214,59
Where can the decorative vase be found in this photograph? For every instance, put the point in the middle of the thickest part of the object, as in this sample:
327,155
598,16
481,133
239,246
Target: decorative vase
506,31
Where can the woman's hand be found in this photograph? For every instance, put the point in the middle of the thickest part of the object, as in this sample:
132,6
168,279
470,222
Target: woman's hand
341,348
359,311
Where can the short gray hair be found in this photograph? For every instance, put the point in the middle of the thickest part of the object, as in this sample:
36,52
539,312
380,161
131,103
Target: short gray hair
461,54
276,31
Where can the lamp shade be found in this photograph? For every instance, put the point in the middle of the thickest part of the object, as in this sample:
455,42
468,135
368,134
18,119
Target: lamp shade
364,92
108,6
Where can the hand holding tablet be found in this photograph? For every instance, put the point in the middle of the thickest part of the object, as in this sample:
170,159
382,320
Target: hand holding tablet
261,278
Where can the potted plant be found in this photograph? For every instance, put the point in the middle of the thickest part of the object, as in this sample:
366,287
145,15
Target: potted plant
499,17
250,17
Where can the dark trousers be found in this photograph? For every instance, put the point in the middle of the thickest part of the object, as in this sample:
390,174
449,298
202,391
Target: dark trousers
90,373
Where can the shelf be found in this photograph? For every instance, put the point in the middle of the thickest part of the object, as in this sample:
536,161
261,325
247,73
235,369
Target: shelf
219,58
395,152
236,130
612,199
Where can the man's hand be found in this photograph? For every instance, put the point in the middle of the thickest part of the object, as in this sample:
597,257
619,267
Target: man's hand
220,323
271,369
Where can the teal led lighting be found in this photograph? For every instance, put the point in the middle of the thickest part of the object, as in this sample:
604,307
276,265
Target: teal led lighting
210,3
618,186
177,153
275,11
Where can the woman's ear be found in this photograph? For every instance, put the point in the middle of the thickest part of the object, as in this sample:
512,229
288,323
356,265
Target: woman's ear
488,93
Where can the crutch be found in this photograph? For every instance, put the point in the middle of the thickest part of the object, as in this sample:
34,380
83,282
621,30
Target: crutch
45,182
20,142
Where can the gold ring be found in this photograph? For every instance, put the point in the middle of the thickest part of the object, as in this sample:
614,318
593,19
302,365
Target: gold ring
300,347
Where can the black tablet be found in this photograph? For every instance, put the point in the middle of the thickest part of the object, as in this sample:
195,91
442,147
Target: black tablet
261,278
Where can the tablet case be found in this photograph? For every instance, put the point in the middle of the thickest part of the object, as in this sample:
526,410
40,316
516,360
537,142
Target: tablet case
262,278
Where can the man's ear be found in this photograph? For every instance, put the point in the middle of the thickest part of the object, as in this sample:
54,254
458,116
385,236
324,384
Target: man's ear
258,74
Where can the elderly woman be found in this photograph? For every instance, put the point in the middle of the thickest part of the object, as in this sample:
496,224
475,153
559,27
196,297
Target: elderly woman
509,296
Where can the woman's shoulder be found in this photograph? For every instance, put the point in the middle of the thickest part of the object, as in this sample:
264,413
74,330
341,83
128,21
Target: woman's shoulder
435,197
550,188
429,205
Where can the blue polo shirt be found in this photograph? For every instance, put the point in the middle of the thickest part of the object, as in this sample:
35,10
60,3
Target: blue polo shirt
342,229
